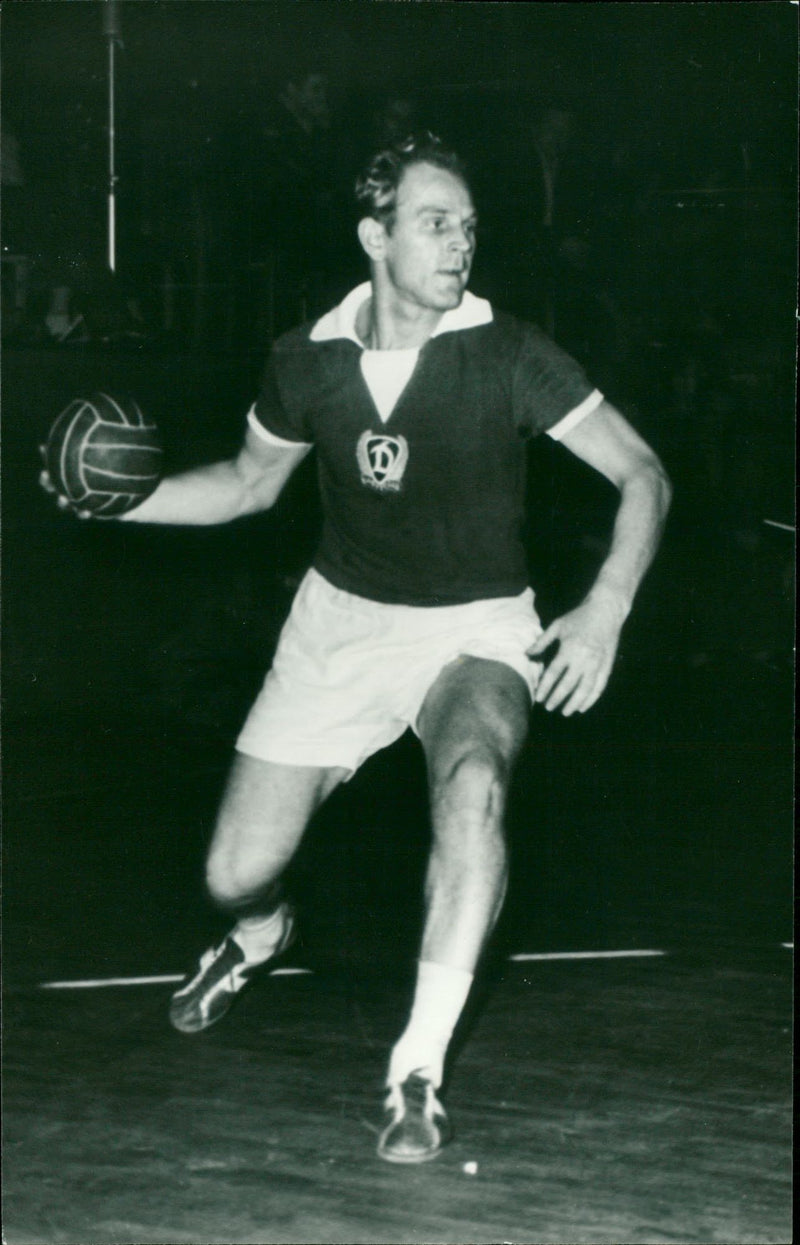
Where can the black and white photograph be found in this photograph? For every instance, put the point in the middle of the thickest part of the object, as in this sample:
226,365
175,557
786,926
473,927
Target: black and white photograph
398,547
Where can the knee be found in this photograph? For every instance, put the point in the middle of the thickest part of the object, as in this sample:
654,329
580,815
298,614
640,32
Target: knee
473,784
226,882
234,878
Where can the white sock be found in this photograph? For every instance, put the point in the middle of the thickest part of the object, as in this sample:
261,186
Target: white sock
258,936
438,1002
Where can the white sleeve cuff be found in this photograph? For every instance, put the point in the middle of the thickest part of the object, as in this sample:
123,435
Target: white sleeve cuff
269,437
570,421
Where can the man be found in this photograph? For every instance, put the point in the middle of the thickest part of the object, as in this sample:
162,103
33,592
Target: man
418,398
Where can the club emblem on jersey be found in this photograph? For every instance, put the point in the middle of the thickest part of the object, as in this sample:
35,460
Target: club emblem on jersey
382,461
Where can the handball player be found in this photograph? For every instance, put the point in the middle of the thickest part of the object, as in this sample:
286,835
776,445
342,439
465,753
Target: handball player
418,399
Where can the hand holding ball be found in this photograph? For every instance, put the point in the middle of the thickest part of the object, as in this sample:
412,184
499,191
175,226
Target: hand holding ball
103,456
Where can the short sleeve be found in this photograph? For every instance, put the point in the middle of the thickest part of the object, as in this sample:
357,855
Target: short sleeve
277,409
548,384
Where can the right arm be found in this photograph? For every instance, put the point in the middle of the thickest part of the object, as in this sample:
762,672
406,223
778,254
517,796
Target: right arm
219,492
223,491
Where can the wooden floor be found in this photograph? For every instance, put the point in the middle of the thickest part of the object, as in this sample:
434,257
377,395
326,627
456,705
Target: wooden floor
596,1101
599,1100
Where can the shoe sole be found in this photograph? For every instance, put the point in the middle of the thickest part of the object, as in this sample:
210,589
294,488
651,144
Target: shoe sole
410,1158
182,1026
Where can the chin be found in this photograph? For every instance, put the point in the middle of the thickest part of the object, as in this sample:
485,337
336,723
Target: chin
448,302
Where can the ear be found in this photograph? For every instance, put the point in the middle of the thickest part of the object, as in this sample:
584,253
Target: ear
372,236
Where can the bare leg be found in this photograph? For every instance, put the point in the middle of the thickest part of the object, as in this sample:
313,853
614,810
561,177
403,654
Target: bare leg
472,726
262,818
264,812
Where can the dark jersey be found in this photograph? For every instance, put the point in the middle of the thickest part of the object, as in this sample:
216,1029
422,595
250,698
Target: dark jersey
427,508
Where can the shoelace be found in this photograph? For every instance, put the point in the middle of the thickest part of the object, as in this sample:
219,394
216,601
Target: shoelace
396,1099
208,958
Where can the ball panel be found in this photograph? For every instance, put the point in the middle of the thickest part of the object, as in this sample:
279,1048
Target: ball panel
63,448
114,504
119,437
110,470
123,411
105,479
132,454
125,460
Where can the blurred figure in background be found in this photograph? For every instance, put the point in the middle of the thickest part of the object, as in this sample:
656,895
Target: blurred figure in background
271,206
395,117
536,191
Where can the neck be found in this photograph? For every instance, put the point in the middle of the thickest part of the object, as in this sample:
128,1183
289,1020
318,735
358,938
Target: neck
388,322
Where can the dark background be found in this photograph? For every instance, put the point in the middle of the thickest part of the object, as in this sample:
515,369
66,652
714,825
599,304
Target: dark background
131,655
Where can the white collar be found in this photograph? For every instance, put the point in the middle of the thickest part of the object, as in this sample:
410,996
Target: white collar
341,321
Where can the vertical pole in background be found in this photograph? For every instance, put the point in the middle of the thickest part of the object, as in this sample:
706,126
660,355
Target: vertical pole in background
111,30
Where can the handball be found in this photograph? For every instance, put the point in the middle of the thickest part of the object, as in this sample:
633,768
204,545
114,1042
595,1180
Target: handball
103,455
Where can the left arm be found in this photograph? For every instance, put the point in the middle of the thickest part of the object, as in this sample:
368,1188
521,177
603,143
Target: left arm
588,636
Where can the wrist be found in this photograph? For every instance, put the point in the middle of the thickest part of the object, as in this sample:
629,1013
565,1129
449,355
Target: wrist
612,596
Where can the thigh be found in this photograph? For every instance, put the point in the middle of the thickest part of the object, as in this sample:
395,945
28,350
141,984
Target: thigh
475,704
267,805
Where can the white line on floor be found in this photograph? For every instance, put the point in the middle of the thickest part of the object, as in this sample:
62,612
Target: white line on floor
581,955
100,982
785,527
108,981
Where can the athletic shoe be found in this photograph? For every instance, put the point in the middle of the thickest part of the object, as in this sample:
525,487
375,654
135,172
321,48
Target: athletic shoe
417,1126
221,975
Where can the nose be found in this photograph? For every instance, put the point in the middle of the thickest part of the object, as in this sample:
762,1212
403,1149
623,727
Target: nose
461,241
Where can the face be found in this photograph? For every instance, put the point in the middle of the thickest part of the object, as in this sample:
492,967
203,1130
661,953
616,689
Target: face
428,252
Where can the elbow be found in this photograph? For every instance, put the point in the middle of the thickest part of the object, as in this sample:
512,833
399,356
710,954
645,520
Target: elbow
662,486
255,491
651,479
254,500
648,489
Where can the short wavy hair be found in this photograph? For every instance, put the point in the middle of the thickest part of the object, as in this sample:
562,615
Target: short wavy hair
376,186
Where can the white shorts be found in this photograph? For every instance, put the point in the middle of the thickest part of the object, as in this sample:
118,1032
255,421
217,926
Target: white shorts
350,675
